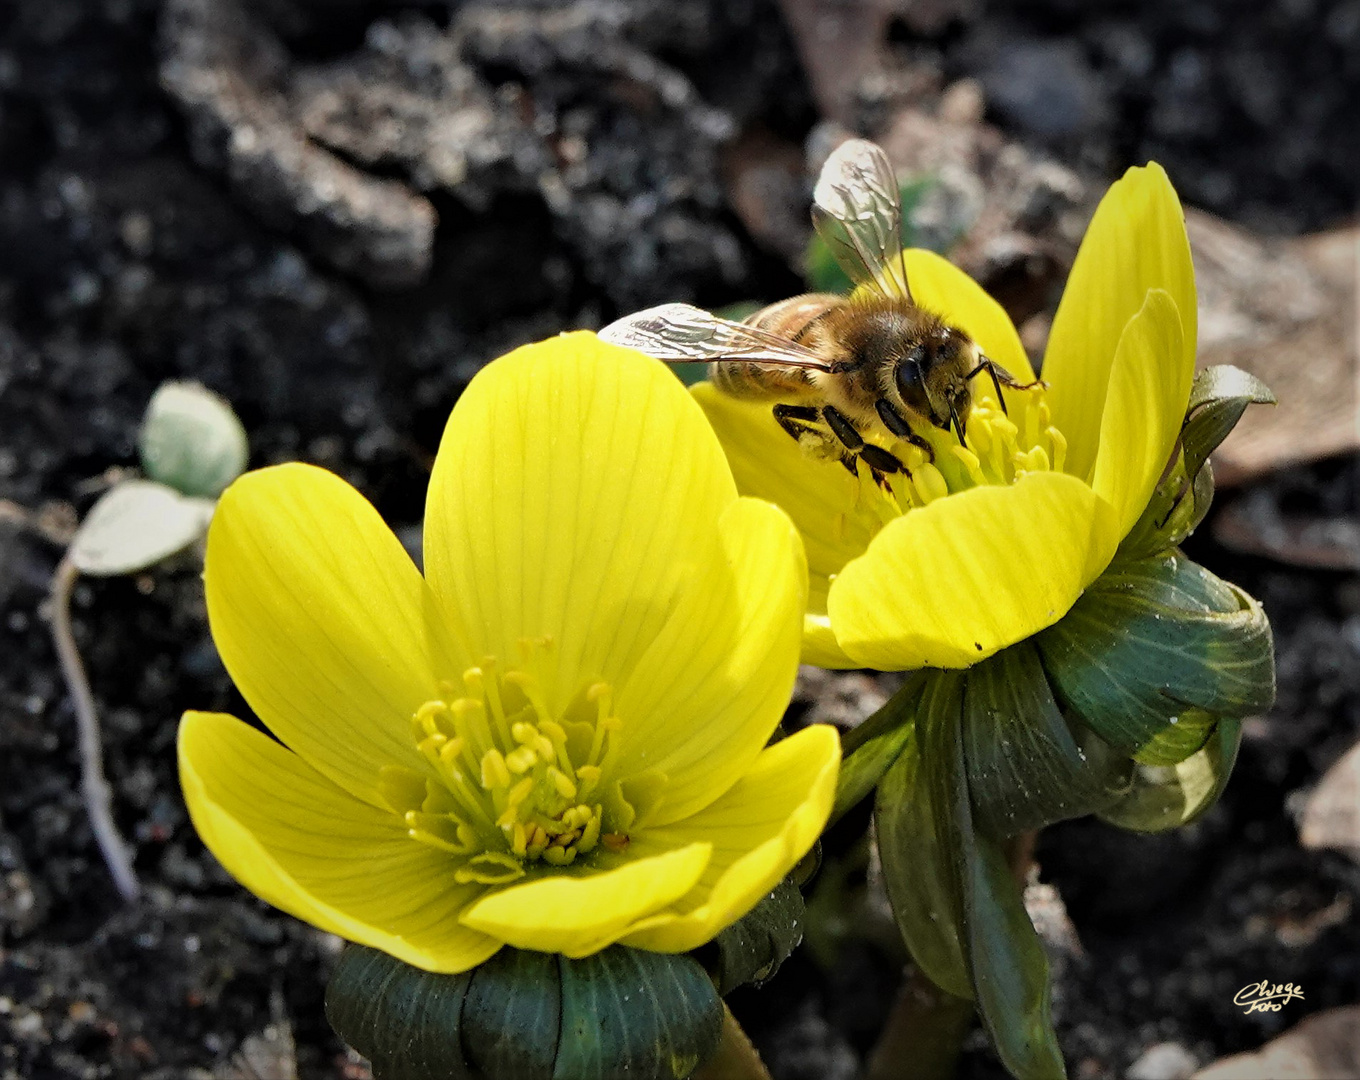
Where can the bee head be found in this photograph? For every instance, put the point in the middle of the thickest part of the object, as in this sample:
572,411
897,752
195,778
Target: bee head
932,377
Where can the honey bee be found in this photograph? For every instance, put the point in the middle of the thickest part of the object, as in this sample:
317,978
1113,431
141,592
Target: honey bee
838,368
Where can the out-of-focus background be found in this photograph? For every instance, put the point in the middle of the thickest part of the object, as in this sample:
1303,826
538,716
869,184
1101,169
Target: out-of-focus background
333,211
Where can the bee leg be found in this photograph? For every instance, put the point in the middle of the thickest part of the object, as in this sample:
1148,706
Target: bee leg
788,417
895,422
880,461
842,428
801,421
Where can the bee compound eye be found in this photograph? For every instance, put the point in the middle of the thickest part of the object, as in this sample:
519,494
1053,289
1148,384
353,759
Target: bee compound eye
910,376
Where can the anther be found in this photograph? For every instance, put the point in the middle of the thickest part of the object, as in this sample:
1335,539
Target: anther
562,783
929,483
495,774
522,760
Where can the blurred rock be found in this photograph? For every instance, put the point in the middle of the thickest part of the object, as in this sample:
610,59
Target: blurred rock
805,1047
840,42
23,900
1331,816
225,71
1045,88
767,187
1163,1061
842,698
407,100
1285,310
1323,1047
269,1055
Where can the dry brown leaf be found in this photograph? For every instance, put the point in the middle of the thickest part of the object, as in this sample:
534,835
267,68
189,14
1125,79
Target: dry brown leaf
1285,310
1325,1046
839,42
1331,816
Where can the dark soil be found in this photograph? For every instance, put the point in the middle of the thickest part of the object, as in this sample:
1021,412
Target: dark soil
124,263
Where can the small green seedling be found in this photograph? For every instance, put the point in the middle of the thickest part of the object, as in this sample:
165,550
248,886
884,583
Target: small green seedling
192,446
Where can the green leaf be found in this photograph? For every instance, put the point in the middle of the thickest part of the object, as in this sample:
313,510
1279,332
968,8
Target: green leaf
975,896
406,1021
1152,640
752,948
917,840
630,1013
1218,398
1178,740
136,524
191,440
1166,798
1006,960
869,749
1025,768
1010,969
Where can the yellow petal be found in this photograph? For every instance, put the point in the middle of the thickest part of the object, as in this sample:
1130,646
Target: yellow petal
576,488
759,830
941,288
301,843
1149,390
318,613
949,584
1135,242
579,915
709,692
820,647
819,495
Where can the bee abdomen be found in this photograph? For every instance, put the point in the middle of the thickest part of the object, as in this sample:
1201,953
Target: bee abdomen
759,382
791,319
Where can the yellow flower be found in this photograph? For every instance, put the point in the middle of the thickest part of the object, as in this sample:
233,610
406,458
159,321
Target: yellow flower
996,540
556,738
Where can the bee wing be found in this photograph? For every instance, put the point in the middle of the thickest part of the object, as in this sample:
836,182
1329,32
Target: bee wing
680,333
857,211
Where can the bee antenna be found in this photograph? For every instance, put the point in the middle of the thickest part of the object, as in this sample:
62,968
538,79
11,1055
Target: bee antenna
987,364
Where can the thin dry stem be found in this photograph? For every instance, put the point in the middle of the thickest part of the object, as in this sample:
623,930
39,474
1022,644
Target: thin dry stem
98,795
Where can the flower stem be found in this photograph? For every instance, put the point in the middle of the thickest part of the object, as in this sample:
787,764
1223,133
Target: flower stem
923,1036
98,795
927,1025
736,1058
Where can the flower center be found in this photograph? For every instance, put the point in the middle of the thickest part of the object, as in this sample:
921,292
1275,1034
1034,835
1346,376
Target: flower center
512,785
1000,448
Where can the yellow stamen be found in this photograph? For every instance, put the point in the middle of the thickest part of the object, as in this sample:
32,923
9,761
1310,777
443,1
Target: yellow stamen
494,771
503,788
929,483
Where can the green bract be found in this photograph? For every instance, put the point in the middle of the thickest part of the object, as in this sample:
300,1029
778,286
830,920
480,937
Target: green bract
1129,707
528,1016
